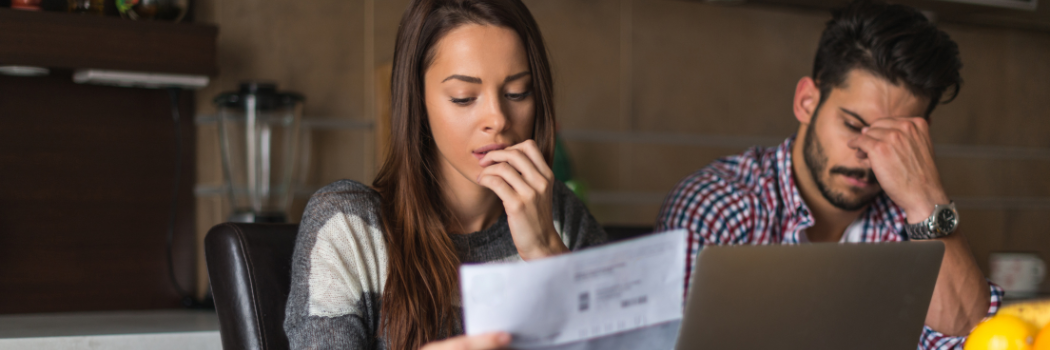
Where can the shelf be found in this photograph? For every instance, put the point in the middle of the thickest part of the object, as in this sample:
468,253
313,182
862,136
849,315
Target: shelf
949,11
70,41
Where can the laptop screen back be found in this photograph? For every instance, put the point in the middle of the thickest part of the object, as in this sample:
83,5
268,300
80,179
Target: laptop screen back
811,296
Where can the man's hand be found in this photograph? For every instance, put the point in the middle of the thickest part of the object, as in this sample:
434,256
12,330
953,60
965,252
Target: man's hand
901,156
487,341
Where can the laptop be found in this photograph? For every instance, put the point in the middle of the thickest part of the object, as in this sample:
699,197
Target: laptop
811,296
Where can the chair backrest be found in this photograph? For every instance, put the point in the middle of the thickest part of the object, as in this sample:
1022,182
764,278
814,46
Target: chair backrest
250,270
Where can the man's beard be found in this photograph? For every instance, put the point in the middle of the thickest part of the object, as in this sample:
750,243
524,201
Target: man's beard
816,161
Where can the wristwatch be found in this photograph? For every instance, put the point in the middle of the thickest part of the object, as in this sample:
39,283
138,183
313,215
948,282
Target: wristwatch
942,223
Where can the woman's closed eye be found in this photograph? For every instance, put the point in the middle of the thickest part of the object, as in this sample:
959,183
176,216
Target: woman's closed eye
518,96
463,101
510,96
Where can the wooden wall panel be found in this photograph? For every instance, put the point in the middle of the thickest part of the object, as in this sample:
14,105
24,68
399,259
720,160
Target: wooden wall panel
1006,81
586,64
85,194
697,80
720,70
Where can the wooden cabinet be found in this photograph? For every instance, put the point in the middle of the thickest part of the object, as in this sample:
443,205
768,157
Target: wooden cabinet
87,172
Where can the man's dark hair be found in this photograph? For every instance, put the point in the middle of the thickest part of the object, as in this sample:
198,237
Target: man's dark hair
893,42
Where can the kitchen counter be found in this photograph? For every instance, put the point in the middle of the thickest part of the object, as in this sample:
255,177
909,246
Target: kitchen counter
156,329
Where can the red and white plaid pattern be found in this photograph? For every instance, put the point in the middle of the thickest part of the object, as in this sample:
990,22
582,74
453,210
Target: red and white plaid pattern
751,198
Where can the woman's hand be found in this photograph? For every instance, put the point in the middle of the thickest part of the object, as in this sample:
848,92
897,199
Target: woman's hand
487,341
521,178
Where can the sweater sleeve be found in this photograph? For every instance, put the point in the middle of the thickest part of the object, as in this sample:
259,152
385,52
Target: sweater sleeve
338,271
574,222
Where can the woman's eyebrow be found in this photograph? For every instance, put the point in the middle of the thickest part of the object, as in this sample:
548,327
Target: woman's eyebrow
516,77
476,80
469,79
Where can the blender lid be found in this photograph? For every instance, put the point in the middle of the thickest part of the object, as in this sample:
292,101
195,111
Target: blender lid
266,96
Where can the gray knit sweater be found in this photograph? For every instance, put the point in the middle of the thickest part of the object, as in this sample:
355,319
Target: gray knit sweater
339,267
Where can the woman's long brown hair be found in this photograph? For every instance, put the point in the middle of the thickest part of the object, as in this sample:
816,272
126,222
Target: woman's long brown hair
422,270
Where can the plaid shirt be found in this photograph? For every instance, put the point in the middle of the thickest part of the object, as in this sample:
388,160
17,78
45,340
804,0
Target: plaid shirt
752,199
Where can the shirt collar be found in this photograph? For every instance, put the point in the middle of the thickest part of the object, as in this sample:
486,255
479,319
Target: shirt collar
796,215
786,179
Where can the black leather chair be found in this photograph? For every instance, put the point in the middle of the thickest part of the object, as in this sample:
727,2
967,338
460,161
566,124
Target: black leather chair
250,270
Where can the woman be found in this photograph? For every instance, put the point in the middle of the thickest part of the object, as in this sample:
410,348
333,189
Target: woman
467,180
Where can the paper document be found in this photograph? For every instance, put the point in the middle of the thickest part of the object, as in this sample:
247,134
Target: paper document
593,293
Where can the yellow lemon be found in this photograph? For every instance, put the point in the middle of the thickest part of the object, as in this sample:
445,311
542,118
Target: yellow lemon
1042,341
1002,332
1036,312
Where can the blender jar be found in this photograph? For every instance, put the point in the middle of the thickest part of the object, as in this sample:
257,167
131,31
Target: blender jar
259,137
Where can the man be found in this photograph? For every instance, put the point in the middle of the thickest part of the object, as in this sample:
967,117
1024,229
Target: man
861,166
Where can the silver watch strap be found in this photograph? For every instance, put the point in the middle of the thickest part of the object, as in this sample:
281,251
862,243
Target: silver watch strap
927,229
920,230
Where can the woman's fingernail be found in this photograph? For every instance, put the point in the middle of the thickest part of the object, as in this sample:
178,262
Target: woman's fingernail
504,338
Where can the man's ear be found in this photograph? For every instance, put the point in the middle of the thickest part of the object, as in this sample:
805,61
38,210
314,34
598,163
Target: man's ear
807,97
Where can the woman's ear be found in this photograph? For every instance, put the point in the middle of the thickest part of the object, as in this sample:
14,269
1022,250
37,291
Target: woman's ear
807,97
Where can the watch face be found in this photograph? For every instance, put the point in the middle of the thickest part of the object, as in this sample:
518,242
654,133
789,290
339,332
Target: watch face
946,220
